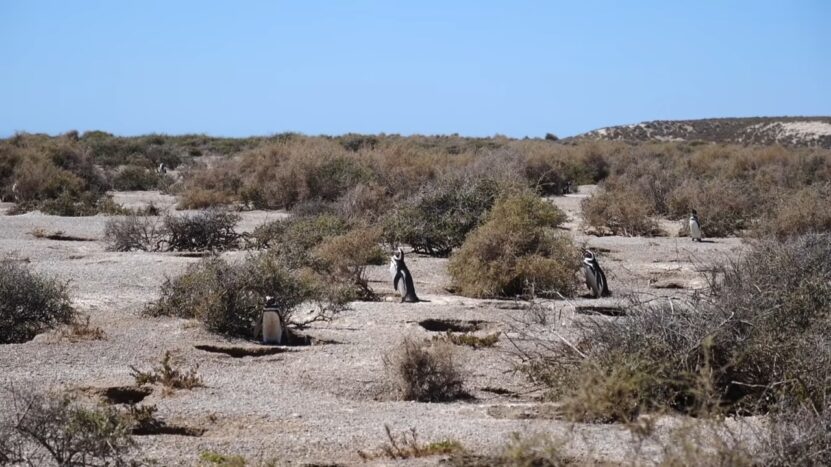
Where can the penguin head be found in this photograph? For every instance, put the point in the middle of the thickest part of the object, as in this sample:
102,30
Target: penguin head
270,301
588,255
694,213
398,255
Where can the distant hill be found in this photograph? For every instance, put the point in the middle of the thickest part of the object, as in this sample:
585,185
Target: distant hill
786,131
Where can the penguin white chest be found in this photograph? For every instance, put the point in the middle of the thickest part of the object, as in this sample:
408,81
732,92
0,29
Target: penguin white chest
272,328
695,229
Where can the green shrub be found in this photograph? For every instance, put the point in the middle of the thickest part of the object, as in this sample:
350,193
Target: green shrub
135,178
439,217
517,250
228,299
59,430
30,303
294,238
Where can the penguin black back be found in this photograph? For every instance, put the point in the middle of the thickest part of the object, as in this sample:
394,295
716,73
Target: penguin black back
595,278
402,280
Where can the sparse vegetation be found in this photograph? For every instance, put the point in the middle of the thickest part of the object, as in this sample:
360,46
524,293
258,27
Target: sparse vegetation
212,230
30,303
407,446
528,451
425,371
468,339
754,344
517,250
168,376
80,329
58,430
135,232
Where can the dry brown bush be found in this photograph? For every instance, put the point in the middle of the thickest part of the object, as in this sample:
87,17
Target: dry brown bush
724,207
425,371
804,211
515,251
619,212
344,259
756,342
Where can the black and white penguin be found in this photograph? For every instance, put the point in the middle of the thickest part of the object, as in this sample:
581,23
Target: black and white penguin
272,325
695,226
595,279
402,281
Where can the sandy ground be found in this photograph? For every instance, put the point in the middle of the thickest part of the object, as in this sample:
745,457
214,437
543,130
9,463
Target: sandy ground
322,403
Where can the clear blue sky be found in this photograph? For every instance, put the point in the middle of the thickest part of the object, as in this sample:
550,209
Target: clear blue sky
518,68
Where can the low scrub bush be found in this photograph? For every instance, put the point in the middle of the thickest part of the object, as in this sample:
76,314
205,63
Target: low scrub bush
294,238
58,430
228,299
135,178
425,371
517,250
211,230
801,212
135,232
30,303
619,212
439,217
344,258
724,208
757,342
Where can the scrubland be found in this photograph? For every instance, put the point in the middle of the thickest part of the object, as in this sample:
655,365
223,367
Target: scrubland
131,302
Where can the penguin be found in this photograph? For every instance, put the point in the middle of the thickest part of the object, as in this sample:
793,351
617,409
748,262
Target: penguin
695,226
272,326
595,279
402,281
162,169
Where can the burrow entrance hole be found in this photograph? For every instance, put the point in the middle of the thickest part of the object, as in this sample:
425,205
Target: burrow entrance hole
239,351
124,394
293,339
601,310
451,325
161,428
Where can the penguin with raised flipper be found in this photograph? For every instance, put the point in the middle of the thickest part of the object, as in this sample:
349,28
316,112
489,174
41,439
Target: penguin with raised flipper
402,280
695,226
595,278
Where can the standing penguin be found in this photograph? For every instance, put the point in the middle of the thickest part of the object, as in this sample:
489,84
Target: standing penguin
595,279
402,281
272,325
695,226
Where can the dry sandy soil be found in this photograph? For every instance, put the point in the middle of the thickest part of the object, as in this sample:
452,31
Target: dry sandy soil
322,403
